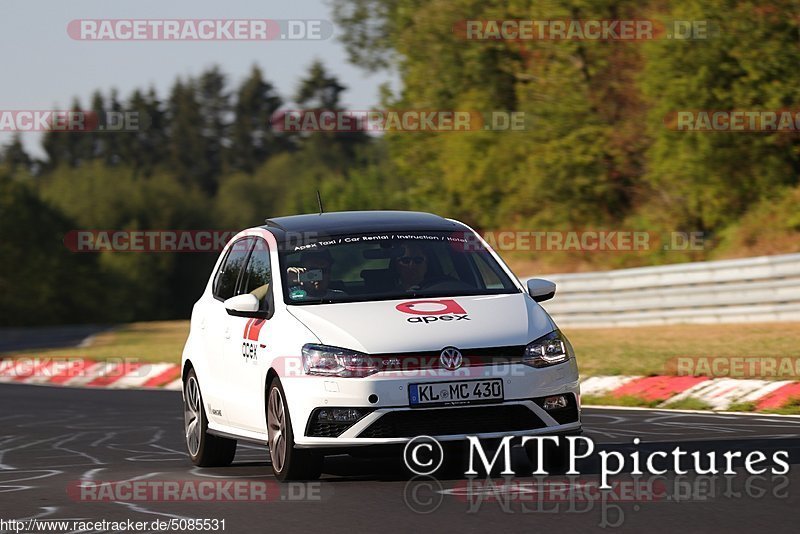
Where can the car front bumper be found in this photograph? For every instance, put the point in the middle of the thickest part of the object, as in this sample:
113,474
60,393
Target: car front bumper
389,418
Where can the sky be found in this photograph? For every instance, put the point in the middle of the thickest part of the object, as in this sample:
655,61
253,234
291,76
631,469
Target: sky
43,68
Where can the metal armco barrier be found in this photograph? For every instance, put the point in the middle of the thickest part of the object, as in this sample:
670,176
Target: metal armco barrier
762,289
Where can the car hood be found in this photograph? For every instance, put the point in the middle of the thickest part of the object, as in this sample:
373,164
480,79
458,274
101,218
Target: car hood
416,325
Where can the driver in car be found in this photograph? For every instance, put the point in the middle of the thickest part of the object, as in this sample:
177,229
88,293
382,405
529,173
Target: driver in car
311,280
411,267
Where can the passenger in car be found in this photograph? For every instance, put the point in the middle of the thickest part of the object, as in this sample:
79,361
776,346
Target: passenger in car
312,278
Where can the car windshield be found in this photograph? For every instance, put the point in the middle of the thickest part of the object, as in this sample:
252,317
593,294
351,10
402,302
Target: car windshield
367,267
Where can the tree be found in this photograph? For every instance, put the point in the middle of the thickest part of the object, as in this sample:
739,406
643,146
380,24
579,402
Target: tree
707,180
115,142
319,90
215,117
187,144
15,157
65,146
41,281
146,146
99,197
252,138
371,26
578,158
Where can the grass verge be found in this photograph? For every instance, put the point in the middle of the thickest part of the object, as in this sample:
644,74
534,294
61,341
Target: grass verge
652,350
791,408
156,341
612,351
613,400
689,403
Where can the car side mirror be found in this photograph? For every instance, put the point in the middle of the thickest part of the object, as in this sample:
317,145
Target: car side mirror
245,305
541,289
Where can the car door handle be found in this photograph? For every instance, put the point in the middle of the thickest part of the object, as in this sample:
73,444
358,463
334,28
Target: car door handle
227,333
203,323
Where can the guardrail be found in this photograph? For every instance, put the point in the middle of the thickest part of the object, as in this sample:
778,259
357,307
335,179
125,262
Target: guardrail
762,289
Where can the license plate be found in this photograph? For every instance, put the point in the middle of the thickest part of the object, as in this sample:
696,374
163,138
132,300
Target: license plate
461,392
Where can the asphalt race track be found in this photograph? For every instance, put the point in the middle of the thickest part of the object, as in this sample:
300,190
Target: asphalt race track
54,440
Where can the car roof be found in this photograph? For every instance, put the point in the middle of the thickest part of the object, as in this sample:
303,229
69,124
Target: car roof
352,222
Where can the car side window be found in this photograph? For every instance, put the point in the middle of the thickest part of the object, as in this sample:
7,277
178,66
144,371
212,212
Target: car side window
489,277
257,278
230,269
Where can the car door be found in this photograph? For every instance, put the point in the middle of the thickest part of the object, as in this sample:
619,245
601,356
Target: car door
247,348
215,387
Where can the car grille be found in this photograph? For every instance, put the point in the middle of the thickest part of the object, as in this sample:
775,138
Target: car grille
471,358
327,430
447,421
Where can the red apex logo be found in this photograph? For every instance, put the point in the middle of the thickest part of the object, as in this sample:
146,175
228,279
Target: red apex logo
431,307
253,328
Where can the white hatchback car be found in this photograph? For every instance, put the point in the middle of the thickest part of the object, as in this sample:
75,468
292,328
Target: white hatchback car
330,333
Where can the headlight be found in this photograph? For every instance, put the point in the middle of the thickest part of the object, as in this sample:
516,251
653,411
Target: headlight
334,361
552,349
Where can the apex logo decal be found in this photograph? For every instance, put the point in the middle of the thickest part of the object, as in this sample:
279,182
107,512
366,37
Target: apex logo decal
253,328
429,311
251,331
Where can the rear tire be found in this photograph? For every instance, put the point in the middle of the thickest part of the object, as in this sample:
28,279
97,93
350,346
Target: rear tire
204,449
288,462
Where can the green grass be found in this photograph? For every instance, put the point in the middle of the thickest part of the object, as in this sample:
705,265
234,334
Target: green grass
638,402
742,407
613,400
609,351
652,350
791,408
157,341
689,403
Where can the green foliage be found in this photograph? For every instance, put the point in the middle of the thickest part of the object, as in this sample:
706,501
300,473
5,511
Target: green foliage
200,161
97,197
710,179
41,282
252,139
595,153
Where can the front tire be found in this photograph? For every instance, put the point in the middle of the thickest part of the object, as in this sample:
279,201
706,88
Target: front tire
205,450
288,462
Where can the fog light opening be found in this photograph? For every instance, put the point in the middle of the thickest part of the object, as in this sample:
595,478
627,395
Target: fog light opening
339,415
554,403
